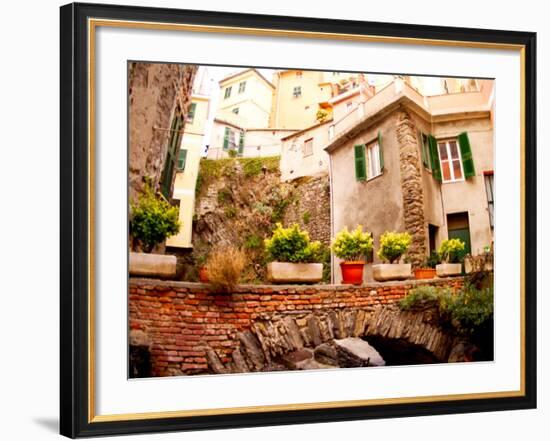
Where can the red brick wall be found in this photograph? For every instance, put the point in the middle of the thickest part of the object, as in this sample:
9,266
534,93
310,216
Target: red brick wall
179,318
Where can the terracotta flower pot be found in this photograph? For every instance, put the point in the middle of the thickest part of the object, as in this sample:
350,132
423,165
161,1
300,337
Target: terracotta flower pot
352,272
424,273
203,274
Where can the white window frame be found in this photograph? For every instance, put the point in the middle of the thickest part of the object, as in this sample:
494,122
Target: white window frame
305,153
372,154
451,169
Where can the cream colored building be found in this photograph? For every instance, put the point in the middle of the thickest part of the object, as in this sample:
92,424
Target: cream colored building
191,149
245,99
299,94
403,161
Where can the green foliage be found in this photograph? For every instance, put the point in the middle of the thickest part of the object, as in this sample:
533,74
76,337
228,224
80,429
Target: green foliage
153,220
291,245
278,212
352,245
224,195
419,297
432,260
393,245
450,250
321,115
466,310
253,242
232,153
230,212
306,217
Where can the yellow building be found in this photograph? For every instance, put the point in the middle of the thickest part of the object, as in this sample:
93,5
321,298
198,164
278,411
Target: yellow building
192,146
299,94
245,99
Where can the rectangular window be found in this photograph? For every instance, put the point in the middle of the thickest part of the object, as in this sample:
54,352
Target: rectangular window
450,160
242,86
227,92
236,110
374,167
229,139
191,113
297,92
308,147
489,188
182,157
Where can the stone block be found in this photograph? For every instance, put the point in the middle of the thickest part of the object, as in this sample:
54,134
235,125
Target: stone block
152,265
391,271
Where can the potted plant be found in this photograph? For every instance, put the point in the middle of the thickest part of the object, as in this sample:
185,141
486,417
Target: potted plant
392,246
450,252
352,247
427,271
152,221
292,256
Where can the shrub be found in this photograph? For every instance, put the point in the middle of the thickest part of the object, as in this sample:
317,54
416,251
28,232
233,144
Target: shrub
153,220
253,242
450,250
232,153
432,260
230,212
306,217
224,195
352,245
291,245
468,309
422,296
393,245
321,115
224,267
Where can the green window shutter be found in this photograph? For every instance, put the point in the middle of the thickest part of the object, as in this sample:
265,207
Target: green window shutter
191,114
226,139
360,163
380,151
423,151
241,142
182,157
434,158
466,153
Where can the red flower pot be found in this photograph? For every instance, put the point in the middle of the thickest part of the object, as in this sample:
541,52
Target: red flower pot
203,274
352,272
424,273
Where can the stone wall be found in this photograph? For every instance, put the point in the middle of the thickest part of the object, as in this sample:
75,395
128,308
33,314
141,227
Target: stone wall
154,89
183,320
411,184
311,207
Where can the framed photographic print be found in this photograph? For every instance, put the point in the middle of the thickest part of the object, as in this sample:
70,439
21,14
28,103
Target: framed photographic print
274,220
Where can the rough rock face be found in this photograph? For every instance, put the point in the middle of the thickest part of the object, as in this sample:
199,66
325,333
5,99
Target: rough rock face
154,91
334,339
411,184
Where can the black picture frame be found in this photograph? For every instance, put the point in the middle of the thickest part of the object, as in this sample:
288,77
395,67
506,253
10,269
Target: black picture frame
76,417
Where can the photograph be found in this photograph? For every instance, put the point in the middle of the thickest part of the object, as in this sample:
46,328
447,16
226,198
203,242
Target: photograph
289,219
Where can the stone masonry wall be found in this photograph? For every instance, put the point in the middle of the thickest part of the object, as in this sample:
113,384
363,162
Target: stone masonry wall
311,207
154,89
182,320
411,184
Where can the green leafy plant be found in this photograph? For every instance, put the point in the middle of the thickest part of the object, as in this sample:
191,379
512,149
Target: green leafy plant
253,242
421,297
432,260
291,245
450,250
352,245
153,220
321,115
232,153
306,217
393,245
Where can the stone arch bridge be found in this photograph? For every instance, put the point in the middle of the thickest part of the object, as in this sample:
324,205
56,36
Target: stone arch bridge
182,328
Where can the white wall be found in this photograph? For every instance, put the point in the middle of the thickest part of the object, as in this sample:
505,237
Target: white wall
29,368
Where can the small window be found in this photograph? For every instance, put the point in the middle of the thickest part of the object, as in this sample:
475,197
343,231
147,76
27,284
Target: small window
298,74
297,92
227,93
229,139
235,110
451,162
374,166
308,147
489,188
242,86
182,157
191,113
